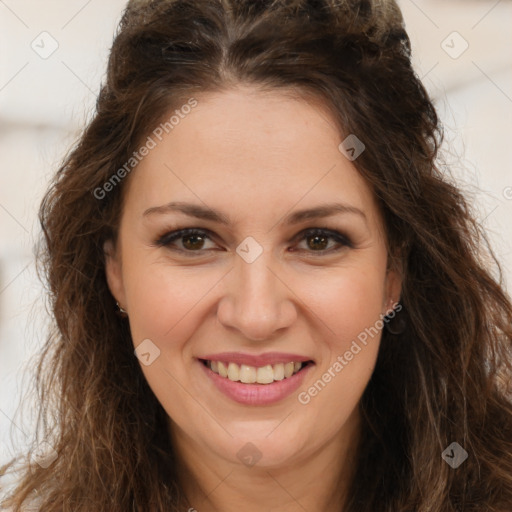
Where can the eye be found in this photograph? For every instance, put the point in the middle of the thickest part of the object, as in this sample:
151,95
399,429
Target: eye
192,240
318,240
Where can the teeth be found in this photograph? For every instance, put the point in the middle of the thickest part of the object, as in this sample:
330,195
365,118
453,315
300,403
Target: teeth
279,371
247,374
265,375
250,374
233,372
223,371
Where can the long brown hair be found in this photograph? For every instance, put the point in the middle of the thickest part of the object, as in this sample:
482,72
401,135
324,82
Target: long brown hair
445,378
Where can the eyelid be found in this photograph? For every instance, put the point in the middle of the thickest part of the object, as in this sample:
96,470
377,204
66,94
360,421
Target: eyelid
170,236
342,239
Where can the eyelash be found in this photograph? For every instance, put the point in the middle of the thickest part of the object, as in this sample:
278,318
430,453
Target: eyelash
167,239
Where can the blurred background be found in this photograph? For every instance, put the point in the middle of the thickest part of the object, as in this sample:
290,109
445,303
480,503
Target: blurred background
53,57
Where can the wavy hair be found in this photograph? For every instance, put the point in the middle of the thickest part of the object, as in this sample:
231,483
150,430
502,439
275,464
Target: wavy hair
445,378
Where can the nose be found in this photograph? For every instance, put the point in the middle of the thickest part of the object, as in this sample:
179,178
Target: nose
257,302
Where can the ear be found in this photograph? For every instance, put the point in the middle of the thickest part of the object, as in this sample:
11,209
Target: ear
393,286
393,290
113,272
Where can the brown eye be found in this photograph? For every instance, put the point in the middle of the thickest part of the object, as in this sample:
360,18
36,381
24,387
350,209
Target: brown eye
317,240
192,240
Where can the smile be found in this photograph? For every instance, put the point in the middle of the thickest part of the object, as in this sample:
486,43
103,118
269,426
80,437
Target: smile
259,385
254,375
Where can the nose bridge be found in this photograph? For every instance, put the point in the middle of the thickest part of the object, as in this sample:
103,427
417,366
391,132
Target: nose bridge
256,284
257,303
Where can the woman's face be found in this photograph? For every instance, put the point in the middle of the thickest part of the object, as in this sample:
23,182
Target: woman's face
254,291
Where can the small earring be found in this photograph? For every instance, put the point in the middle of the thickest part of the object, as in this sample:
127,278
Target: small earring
121,312
395,322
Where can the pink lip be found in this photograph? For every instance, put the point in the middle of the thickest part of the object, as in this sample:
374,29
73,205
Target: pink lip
257,394
257,361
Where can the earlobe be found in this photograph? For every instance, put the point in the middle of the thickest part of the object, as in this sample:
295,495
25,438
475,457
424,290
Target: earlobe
113,272
393,289
394,279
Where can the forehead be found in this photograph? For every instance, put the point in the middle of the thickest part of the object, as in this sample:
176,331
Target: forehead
246,149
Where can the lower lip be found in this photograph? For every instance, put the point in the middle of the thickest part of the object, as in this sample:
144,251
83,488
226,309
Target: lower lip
257,394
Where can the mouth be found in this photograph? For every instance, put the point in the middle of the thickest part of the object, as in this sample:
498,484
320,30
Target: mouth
246,374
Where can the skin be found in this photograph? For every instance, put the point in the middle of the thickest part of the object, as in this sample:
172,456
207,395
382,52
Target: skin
256,157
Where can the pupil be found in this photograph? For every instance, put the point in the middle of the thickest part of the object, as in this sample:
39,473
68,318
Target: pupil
316,238
197,239
191,237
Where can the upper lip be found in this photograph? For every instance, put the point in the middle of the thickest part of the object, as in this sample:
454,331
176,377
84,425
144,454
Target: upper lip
256,360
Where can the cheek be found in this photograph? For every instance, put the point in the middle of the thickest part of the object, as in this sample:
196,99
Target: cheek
350,307
172,306
164,299
347,300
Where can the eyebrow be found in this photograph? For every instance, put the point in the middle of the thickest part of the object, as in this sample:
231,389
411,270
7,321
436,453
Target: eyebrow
204,213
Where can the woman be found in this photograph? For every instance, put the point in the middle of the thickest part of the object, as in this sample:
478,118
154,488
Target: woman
306,316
